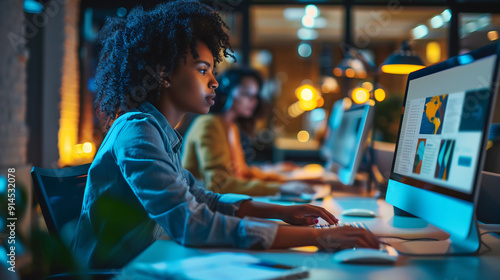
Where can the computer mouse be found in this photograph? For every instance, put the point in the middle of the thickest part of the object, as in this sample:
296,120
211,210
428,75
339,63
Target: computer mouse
366,256
358,212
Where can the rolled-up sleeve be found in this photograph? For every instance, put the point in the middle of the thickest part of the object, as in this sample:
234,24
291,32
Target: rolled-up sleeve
190,215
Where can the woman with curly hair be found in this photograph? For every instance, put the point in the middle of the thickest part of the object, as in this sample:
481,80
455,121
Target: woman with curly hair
213,150
154,67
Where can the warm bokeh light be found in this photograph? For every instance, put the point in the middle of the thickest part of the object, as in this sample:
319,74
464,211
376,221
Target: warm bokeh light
308,105
329,84
346,103
379,95
303,136
493,35
349,72
87,147
306,94
367,85
337,71
362,74
400,68
314,167
433,52
360,95
321,102
308,97
294,110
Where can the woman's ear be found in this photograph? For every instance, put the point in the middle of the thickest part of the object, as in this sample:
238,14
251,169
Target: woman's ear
165,78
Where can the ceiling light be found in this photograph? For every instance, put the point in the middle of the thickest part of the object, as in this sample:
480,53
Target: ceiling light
437,21
293,13
420,31
402,61
304,50
320,22
306,34
312,10
308,21
446,14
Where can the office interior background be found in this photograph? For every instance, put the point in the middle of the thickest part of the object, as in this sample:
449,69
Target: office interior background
311,54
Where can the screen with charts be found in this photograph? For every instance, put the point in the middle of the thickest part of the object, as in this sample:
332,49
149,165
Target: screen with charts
443,124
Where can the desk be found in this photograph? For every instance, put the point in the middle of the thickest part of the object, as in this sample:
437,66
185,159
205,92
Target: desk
484,266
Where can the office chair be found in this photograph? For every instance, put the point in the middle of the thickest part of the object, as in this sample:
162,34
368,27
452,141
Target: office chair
60,195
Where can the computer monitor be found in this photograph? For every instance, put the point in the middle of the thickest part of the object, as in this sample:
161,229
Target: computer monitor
350,142
332,127
441,144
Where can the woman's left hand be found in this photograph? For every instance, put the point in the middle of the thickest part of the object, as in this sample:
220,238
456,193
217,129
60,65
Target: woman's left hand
306,214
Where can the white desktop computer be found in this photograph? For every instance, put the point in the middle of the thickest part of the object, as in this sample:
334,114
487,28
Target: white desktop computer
441,145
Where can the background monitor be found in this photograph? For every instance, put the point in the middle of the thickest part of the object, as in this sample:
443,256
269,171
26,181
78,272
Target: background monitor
441,144
332,127
350,142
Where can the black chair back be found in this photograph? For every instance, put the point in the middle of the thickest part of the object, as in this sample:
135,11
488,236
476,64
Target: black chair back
60,194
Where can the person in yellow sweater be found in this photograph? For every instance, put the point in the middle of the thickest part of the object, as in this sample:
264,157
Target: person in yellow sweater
212,147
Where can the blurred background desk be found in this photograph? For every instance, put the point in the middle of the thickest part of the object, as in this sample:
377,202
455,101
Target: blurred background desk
482,266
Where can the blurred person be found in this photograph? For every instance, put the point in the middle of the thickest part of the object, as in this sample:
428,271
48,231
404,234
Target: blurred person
212,149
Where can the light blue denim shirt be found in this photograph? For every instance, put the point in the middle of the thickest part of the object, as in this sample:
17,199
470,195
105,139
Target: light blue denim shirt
137,190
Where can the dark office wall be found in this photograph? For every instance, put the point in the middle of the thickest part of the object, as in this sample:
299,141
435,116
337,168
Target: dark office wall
34,94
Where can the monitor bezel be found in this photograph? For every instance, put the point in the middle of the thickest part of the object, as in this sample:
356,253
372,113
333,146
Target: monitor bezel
477,54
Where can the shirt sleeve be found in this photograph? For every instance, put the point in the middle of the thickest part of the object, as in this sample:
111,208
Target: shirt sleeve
215,165
150,171
227,203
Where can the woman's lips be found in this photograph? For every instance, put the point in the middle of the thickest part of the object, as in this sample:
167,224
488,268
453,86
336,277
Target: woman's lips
210,99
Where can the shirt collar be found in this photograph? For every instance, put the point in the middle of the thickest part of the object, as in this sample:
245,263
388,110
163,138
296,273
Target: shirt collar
173,136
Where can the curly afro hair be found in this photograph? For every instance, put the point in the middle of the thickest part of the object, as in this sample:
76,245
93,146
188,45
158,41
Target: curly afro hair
140,51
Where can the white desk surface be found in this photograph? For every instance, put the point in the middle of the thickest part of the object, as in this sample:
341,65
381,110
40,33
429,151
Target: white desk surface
485,265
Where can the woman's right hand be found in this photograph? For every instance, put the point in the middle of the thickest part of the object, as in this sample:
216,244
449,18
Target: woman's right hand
346,237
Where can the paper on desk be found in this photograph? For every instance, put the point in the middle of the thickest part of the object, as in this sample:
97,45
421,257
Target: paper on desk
239,266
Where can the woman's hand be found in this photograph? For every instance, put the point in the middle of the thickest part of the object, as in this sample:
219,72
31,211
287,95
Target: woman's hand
346,237
306,214
331,238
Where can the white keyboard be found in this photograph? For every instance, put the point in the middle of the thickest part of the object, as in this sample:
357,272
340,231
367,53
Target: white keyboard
350,224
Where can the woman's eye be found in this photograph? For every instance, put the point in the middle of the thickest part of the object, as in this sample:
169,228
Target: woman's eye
203,71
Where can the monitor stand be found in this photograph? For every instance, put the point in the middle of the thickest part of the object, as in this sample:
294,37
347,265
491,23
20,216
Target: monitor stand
451,246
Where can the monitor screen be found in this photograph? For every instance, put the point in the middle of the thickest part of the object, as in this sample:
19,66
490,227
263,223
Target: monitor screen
441,142
350,141
443,125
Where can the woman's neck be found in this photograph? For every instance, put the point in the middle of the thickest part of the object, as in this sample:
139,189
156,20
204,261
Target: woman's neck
170,112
